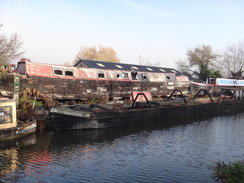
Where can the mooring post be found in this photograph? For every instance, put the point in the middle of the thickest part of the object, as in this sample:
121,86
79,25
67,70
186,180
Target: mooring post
16,89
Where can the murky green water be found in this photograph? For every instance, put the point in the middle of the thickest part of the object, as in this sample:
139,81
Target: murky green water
159,153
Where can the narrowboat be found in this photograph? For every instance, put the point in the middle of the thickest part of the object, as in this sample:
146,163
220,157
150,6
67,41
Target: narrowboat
220,86
88,80
147,111
10,127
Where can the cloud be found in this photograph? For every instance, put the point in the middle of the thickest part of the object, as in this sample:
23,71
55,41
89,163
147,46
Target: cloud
144,8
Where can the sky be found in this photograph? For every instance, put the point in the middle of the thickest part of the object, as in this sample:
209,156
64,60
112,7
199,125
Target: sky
161,31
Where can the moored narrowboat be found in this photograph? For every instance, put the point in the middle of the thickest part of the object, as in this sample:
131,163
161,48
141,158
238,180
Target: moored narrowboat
220,86
115,115
94,79
10,127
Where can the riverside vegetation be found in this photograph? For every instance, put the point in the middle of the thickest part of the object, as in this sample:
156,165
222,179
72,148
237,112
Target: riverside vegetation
231,172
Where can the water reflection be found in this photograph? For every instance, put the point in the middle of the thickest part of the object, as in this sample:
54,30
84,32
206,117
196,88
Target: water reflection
179,152
10,159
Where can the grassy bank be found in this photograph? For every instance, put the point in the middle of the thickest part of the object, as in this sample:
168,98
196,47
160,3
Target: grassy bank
232,172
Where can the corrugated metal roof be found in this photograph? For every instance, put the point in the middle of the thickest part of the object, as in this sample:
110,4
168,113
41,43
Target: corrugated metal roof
127,67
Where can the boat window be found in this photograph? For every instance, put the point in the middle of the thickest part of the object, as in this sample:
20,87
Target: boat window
144,77
122,76
68,73
6,114
170,77
126,76
118,75
149,69
134,76
212,81
174,71
58,72
101,74
162,70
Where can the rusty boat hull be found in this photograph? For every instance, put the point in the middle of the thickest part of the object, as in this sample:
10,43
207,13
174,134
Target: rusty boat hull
69,118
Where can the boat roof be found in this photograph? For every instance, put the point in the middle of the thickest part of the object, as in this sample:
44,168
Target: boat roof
127,67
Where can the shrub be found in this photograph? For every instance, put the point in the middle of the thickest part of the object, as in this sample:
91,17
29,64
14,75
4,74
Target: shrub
232,172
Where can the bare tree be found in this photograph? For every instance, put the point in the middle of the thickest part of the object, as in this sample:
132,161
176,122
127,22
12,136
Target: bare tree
100,53
144,61
67,63
233,59
9,48
184,67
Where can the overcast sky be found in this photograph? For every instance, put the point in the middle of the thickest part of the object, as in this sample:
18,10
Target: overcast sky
53,31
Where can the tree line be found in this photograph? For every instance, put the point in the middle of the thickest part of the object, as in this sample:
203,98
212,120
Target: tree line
202,62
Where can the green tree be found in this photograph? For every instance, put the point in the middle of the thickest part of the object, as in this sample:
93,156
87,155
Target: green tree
9,48
200,63
100,53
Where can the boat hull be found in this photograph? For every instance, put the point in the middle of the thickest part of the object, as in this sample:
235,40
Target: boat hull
105,119
20,131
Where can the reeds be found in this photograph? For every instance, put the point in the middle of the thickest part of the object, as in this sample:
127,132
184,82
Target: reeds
232,172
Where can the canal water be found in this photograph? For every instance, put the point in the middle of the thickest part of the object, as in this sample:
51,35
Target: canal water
185,151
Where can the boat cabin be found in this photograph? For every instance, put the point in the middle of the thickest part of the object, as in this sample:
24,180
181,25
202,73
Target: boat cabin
91,79
7,114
